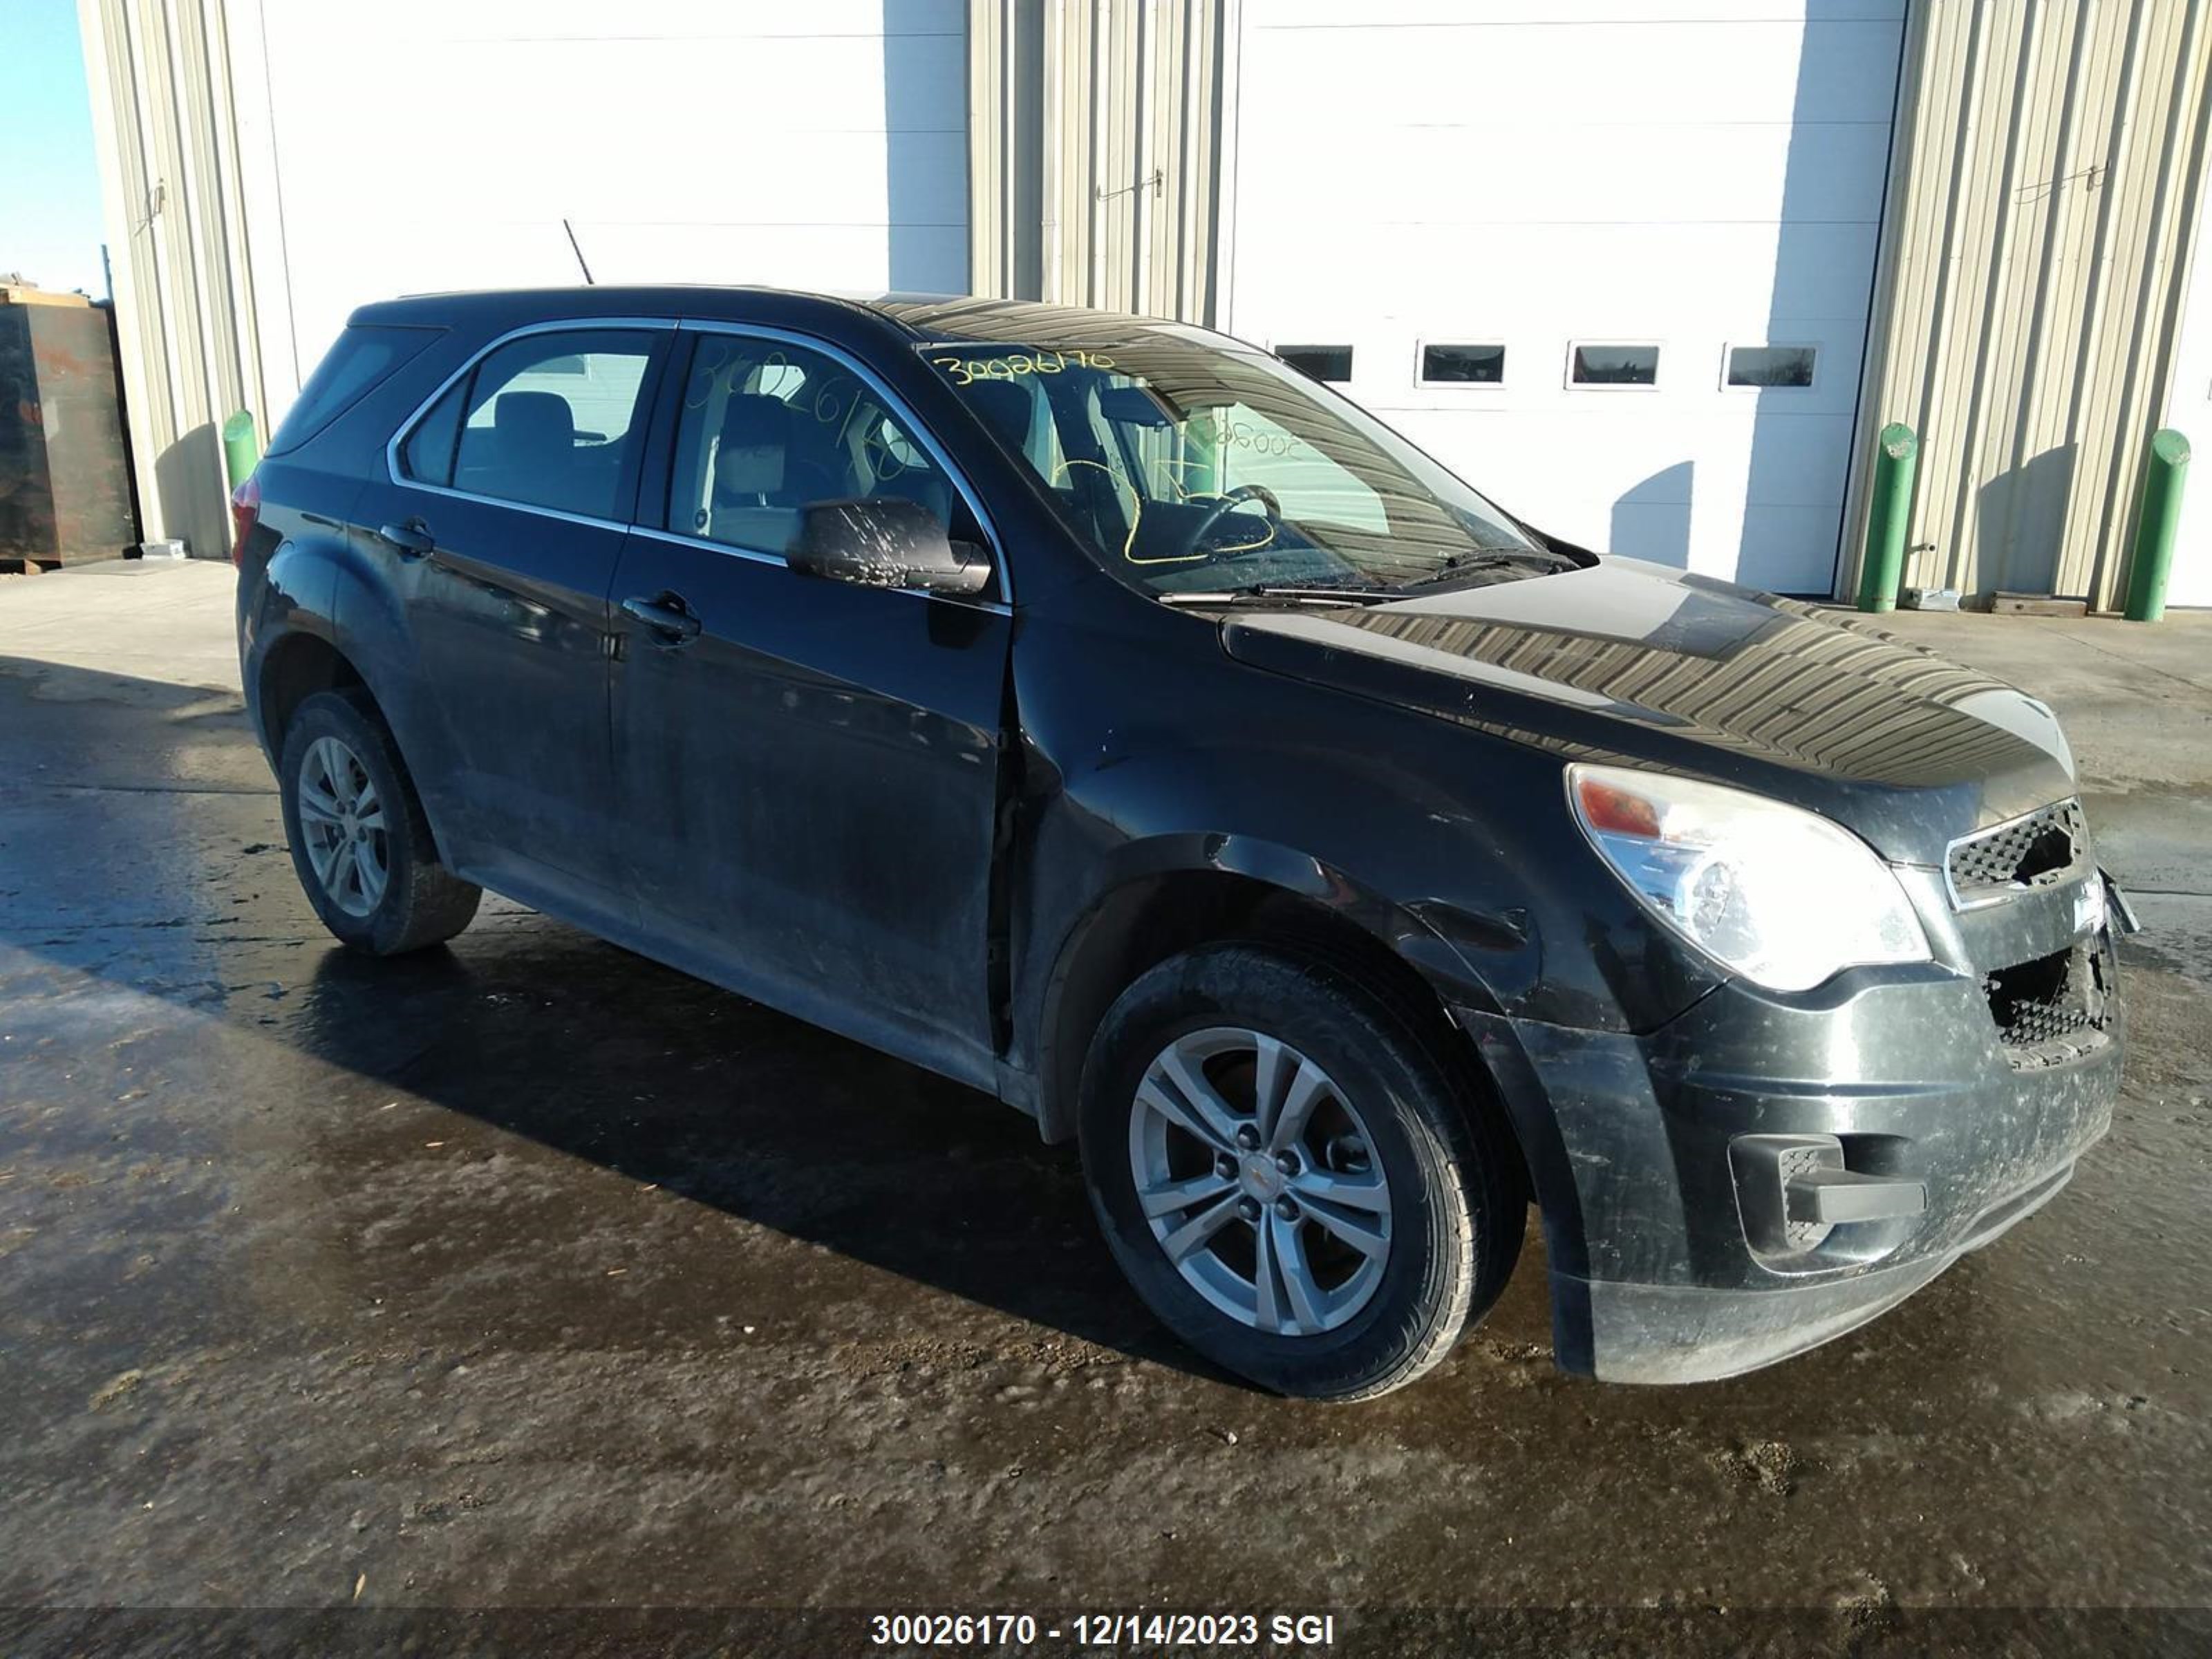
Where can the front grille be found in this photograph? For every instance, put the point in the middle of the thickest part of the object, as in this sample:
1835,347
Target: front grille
2054,1008
2047,846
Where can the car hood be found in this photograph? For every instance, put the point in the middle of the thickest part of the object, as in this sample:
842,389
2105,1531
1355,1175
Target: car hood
1630,662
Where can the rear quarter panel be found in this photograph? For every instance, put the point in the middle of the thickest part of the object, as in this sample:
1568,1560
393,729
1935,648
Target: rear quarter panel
329,575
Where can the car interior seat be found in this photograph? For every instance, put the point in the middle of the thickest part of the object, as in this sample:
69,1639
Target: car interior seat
750,505
533,453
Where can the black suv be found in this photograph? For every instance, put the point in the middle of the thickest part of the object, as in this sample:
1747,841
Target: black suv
1100,712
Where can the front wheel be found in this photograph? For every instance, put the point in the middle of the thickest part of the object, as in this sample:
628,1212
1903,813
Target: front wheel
1292,1176
360,842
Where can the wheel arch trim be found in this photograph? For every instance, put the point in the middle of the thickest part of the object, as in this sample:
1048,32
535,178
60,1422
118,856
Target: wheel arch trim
1136,873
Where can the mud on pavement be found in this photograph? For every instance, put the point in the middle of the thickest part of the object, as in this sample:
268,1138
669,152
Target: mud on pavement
529,1275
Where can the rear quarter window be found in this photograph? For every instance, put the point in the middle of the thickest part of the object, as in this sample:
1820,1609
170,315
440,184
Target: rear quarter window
363,358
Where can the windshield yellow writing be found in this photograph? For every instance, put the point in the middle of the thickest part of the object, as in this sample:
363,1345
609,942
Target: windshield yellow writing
966,371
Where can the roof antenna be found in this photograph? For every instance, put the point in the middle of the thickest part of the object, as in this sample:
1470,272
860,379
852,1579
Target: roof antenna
579,252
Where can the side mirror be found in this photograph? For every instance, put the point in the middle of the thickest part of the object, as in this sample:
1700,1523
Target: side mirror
886,542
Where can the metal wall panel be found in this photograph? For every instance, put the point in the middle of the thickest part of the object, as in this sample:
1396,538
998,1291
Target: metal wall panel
168,139
2046,185
1096,145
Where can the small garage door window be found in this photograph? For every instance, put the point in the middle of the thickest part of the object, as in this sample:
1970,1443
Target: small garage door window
1764,365
1596,363
1462,365
1323,363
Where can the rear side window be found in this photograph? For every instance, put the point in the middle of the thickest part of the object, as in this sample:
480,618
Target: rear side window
365,357
551,419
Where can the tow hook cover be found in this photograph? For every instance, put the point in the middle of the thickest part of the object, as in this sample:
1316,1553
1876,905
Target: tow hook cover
1829,1197
1793,1191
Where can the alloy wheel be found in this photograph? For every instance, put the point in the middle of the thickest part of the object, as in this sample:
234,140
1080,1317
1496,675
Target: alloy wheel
342,819
1260,1182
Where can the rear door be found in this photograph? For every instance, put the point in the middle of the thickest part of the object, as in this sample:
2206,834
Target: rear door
808,769
499,530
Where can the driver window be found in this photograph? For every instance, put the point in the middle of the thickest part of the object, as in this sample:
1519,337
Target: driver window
769,428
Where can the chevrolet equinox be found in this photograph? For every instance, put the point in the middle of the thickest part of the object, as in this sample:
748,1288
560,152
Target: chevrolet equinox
1101,713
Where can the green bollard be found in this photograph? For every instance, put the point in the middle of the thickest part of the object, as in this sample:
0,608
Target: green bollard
2166,468
240,451
1886,516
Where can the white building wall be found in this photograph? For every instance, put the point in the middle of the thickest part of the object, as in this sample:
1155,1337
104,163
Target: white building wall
429,144
271,164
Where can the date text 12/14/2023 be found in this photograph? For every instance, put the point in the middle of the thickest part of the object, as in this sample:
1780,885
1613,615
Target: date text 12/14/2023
1135,1631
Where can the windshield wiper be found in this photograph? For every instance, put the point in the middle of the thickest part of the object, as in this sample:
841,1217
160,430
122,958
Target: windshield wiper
1489,558
1282,593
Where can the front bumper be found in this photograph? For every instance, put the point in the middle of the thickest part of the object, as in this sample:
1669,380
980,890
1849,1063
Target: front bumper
1667,1263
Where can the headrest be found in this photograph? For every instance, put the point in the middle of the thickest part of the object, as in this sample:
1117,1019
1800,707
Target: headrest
1004,408
756,437
753,418
534,423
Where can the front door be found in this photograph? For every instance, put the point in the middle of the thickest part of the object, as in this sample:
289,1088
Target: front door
809,770
503,536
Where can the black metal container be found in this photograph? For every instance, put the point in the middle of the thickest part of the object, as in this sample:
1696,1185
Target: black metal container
64,480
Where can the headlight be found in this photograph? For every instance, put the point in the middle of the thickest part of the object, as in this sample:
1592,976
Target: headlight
1775,894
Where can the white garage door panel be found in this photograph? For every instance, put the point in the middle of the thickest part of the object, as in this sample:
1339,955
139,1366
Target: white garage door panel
598,21
1612,73
1503,454
2189,411
1614,174
1406,13
790,256
1532,175
580,93
688,141
1468,281
1599,483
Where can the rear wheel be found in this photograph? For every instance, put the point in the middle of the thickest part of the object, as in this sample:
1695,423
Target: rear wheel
1292,1176
359,840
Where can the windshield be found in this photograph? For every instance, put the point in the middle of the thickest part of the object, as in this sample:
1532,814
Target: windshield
1186,468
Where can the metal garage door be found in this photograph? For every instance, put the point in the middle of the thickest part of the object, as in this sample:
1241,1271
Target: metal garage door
2189,409
1584,250
423,144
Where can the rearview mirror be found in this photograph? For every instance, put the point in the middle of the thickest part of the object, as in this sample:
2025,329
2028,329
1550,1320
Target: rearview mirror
887,543
1136,405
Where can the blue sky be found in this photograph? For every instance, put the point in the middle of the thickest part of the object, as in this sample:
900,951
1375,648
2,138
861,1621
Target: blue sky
50,223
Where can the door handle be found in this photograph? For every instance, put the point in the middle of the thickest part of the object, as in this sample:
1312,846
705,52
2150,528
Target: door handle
411,539
665,616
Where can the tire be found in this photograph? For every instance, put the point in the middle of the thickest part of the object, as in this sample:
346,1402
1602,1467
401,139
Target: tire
1386,1294
373,878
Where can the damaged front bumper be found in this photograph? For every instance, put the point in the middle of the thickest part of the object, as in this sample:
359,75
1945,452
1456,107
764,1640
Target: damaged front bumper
1765,1173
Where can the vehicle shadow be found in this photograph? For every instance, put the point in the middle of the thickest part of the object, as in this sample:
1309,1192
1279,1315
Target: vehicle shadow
523,1025
544,1032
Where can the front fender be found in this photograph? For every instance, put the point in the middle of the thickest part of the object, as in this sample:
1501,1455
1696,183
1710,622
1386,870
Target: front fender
1407,929
1074,896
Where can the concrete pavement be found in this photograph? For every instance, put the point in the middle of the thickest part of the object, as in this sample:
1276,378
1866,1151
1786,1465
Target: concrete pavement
531,1275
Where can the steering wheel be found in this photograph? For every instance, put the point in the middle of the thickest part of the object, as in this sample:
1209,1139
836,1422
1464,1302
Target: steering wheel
1223,506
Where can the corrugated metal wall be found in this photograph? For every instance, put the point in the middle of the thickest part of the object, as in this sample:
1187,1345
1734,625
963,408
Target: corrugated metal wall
159,73
2048,178
1096,151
